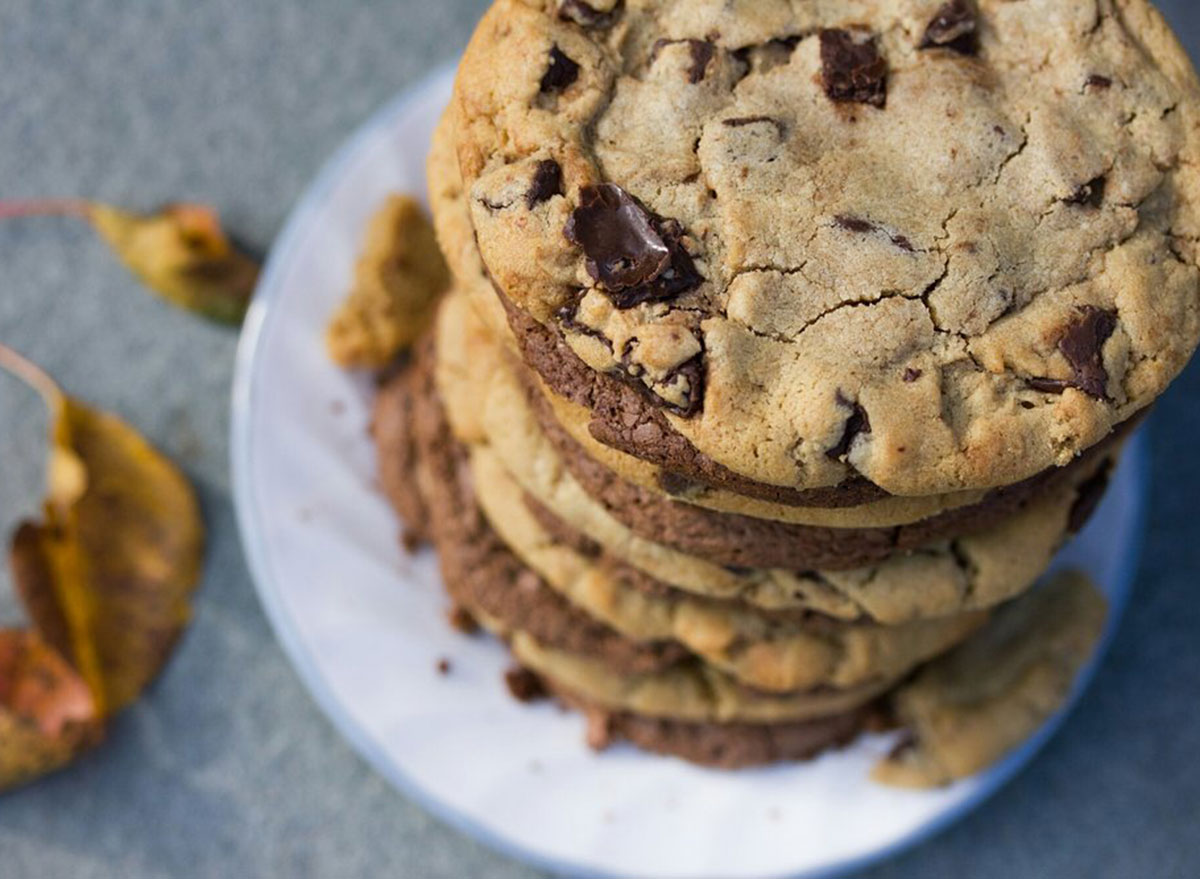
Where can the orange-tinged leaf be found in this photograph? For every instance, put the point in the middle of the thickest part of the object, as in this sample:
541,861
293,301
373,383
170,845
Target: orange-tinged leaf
107,574
47,714
181,253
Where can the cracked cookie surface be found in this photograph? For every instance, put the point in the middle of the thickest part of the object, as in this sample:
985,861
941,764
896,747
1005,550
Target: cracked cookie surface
911,243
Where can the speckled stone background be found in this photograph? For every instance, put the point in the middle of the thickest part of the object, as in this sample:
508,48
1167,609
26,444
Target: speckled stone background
227,769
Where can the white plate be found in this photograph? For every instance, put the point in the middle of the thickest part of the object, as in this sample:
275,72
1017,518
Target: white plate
364,624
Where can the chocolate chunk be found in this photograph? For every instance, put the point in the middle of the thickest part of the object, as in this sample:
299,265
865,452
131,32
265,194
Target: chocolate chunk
1087,498
863,227
856,424
635,255
586,15
953,27
702,53
1048,386
1089,195
560,74
1096,81
1082,343
852,70
546,183
911,375
524,685
854,224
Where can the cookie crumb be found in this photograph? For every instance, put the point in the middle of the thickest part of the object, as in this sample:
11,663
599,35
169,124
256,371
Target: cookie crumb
524,685
462,621
443,666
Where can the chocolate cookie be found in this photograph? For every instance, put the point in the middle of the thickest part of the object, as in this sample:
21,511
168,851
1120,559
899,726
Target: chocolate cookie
743,541
487,406
552,637
479,571
770,652
722,745
818,247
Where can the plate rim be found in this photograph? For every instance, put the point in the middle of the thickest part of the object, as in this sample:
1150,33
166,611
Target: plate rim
286,631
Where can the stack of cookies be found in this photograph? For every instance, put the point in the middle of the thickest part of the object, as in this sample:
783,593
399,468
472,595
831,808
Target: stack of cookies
788,343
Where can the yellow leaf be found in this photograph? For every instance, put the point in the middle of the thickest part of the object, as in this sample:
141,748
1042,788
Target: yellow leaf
399,276
182,254
107,575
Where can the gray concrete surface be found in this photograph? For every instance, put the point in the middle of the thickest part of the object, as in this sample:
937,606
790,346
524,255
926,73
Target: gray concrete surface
227,769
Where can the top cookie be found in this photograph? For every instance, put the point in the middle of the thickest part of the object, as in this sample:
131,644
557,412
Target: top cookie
938,245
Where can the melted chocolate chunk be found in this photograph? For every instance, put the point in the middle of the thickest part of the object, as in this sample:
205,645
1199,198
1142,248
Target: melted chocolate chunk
635,255
524,685
856,424
560,74
702,53
546,183
864,227
953,27
1082,343
911,375
1089,195
1087,498
586,15
1096,81
1083,346
852,70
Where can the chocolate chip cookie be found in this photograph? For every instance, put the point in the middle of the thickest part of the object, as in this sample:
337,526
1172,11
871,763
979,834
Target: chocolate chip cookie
489,409
825,252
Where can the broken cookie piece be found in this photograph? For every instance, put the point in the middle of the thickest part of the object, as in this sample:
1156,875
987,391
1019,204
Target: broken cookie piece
968,710
398,278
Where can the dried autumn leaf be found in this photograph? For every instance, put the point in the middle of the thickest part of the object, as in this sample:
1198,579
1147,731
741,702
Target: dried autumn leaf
399,276
47,714
180,252
106,576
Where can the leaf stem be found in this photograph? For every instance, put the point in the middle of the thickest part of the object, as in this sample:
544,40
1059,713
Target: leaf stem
31,374
46,207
